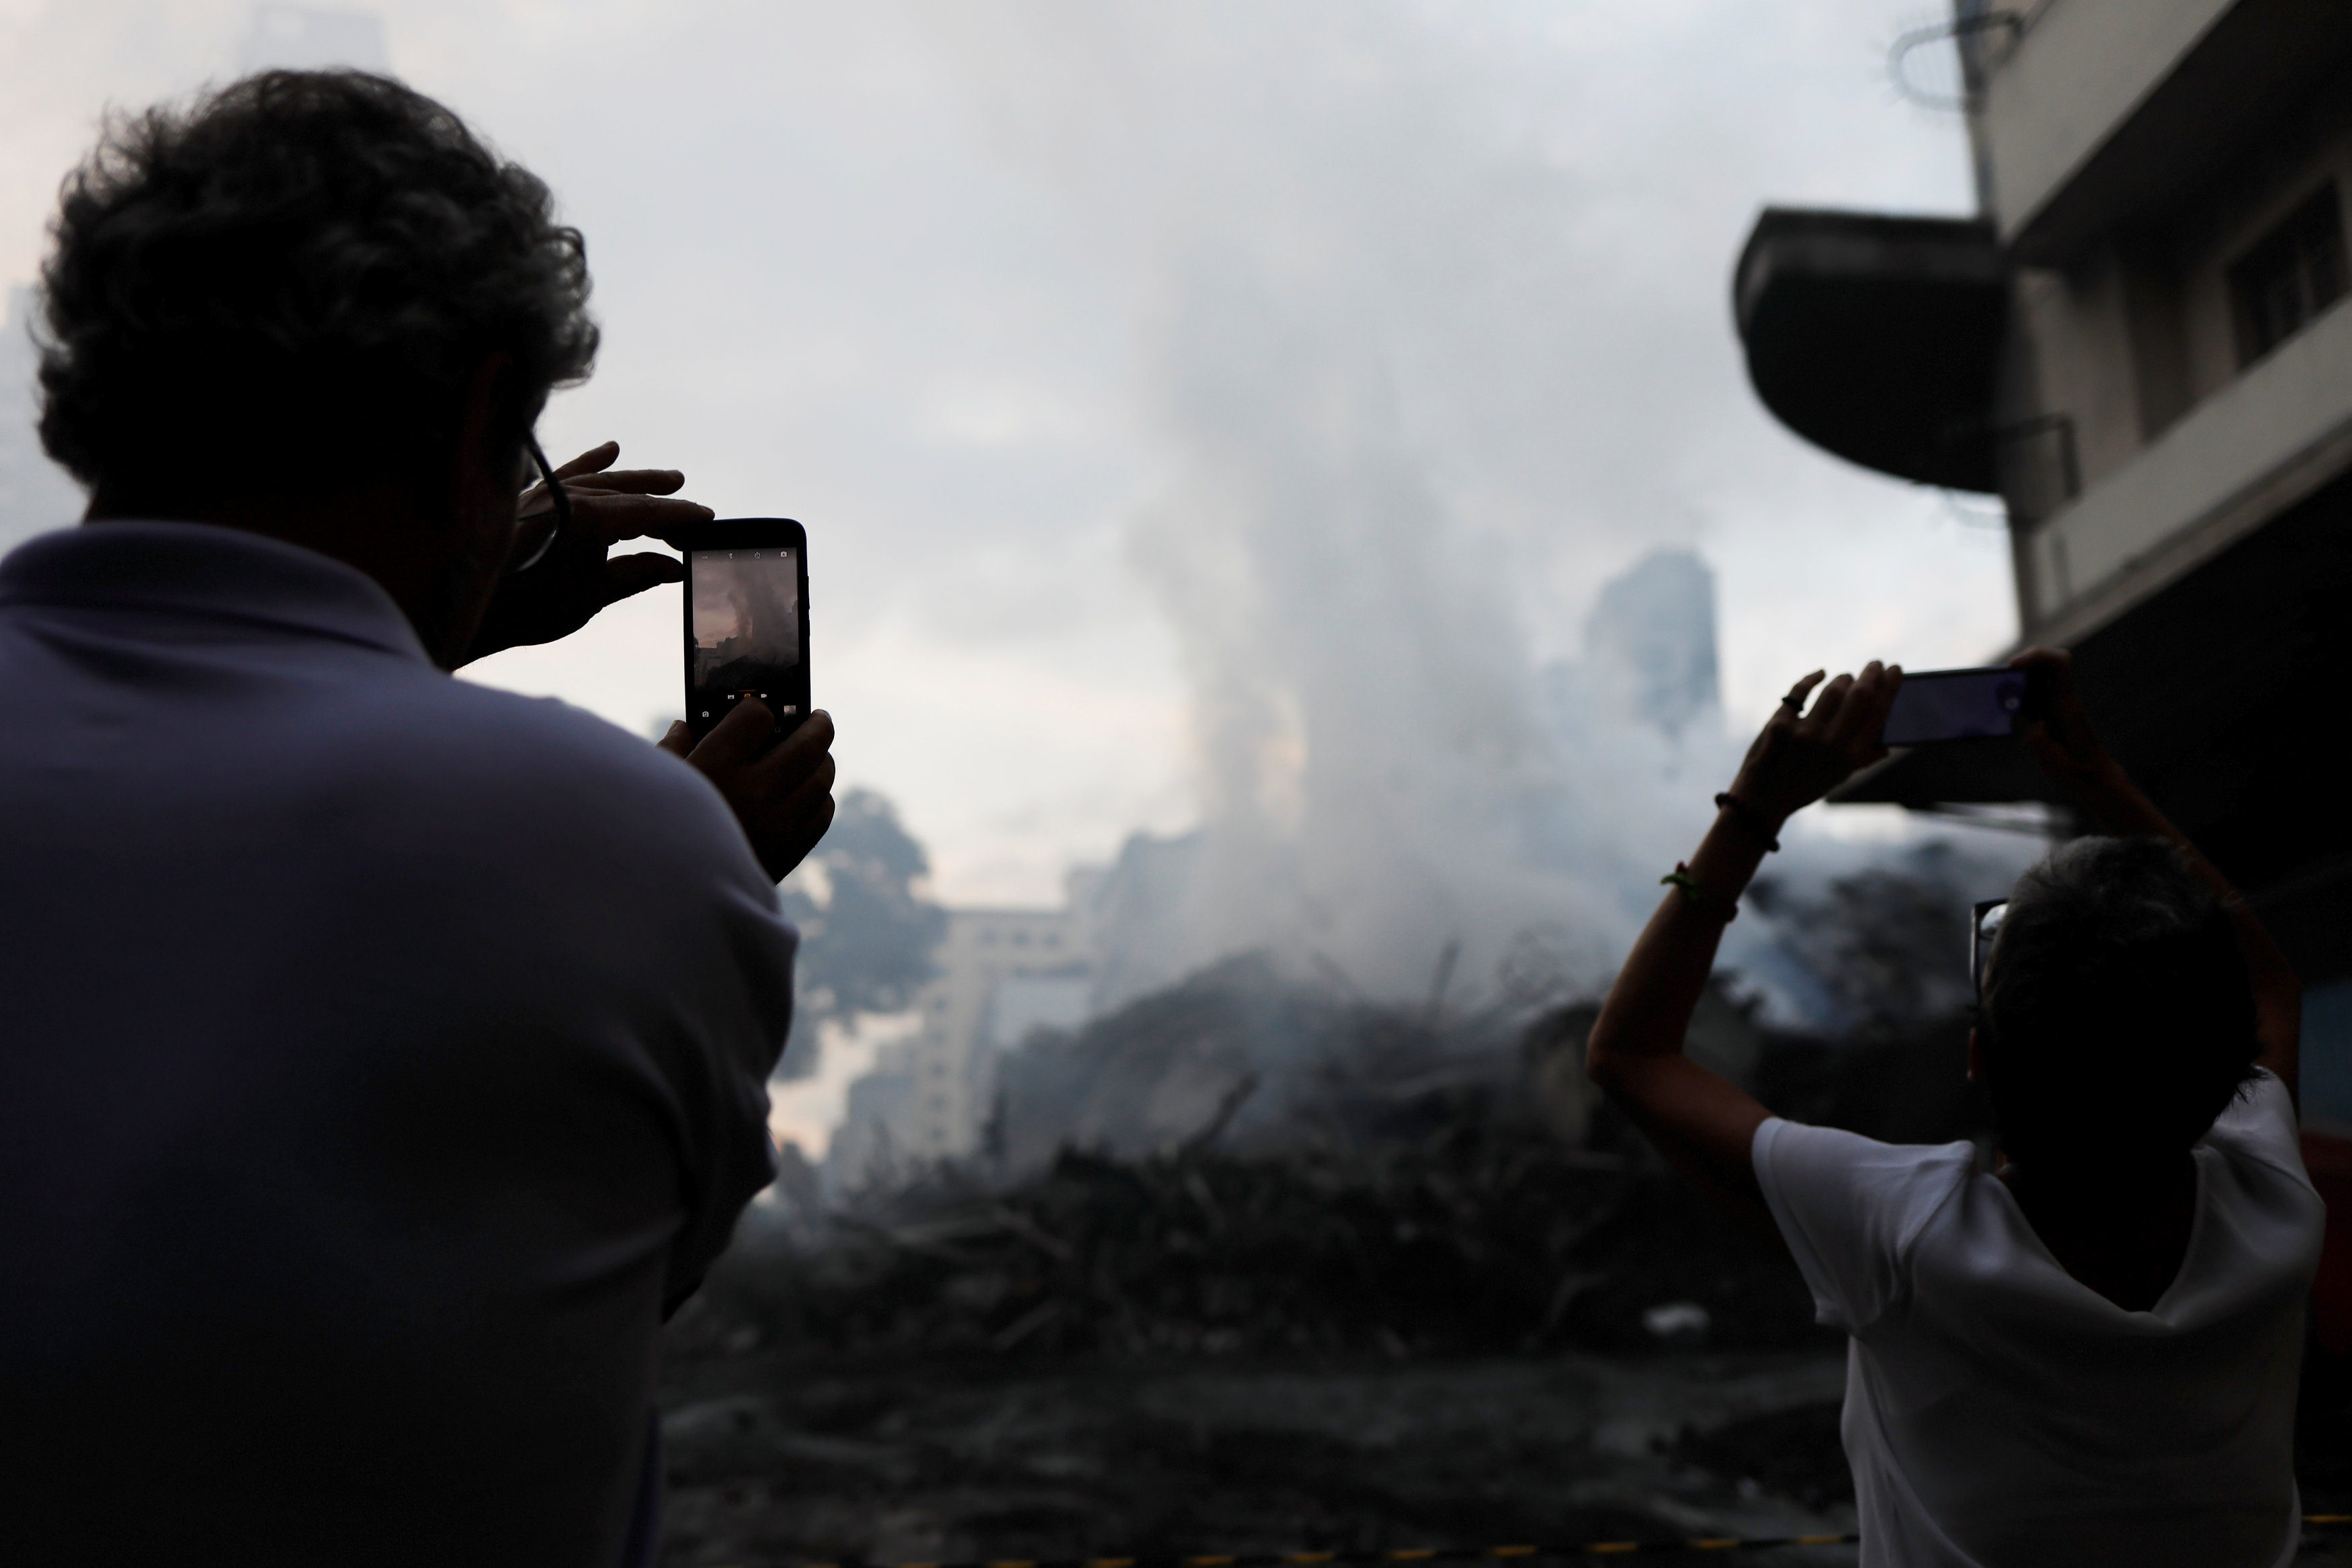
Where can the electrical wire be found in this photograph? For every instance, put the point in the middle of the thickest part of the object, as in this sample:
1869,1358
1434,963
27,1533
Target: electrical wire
1953,30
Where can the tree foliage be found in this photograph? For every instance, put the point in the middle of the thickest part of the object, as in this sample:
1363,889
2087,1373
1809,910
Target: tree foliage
867,928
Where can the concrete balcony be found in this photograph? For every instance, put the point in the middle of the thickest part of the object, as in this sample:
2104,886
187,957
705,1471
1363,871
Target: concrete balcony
1877,338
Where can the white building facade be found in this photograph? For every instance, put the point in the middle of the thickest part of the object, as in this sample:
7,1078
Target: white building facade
1003,975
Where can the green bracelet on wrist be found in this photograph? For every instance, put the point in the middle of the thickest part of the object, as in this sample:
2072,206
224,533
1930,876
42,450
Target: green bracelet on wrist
1698,896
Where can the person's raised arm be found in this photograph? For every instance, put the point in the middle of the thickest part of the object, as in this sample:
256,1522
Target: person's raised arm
1702,1122
2071,753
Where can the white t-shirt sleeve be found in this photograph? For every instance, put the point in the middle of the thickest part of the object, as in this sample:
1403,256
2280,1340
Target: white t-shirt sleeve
2261,1123
1849,1208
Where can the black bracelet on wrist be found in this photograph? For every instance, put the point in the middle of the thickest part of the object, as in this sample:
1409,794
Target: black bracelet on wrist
1698,897
1749,817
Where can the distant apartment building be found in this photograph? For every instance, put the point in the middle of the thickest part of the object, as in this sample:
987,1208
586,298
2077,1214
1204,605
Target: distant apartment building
1003,975
2140,344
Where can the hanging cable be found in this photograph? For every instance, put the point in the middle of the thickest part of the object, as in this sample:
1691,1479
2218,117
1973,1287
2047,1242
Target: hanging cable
1959,27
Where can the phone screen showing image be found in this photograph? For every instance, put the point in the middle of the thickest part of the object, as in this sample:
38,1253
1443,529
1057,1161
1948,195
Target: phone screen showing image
1956,704
746,630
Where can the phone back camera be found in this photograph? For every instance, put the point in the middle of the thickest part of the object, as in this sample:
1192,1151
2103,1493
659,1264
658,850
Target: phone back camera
2009,694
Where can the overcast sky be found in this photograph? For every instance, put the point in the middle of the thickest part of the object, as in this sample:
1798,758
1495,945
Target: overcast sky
923,276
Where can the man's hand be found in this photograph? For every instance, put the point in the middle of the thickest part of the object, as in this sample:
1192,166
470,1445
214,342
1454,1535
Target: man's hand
784,795
579,576
1802,756
2062,740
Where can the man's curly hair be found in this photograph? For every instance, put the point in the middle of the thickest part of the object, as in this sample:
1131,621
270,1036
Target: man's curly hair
285,285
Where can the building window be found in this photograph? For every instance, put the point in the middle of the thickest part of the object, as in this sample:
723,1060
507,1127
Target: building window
2292,275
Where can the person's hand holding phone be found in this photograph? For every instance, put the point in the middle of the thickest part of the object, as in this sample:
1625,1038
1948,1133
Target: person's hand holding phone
781,794
579,576
2061,738
1801,754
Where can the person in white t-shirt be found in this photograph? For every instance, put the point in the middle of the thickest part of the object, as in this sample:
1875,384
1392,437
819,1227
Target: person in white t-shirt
2088,1355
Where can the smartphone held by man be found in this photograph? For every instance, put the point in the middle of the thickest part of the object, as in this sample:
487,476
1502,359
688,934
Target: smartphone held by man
747,626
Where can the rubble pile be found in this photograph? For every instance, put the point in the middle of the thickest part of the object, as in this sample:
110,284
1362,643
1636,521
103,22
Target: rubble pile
1241,1057
1256,1264
1410,1193
1478,1239
1253,1163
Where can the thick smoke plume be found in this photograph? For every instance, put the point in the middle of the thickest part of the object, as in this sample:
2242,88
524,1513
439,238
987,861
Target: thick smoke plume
1343,276
1380,774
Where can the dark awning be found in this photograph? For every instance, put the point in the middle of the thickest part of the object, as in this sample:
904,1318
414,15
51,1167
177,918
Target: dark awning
1877,338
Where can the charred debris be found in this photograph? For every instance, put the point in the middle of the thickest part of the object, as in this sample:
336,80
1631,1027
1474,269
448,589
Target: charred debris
1248,1164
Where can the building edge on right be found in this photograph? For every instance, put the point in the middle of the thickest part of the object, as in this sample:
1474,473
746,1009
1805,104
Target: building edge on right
2141,344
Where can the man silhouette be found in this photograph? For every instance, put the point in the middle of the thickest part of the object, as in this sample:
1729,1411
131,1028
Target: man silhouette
383,1056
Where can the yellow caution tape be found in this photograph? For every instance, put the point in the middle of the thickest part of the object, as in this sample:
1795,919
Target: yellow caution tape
1436,1553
